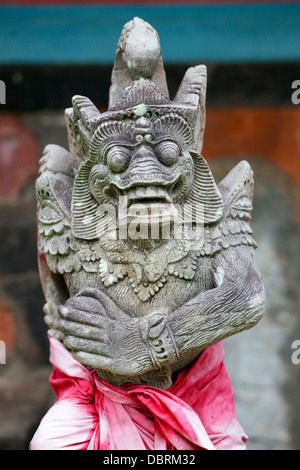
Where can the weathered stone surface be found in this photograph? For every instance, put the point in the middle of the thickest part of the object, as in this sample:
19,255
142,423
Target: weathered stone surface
153,293
144,260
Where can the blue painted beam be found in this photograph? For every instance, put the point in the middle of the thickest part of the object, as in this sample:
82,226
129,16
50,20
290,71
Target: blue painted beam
189,33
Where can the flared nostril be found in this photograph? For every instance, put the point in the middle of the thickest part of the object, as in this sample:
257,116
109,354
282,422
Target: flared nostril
145,165
143,152
144,160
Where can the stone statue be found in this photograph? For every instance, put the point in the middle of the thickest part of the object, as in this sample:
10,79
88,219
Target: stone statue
136,285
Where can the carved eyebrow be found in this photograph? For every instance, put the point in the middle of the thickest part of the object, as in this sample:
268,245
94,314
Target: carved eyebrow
103,149
108,131
175,125
167,138
120,143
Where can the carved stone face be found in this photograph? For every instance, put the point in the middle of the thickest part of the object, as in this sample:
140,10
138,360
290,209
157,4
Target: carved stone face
142,158
146,162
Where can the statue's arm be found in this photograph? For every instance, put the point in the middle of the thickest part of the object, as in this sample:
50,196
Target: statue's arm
99,334
236,304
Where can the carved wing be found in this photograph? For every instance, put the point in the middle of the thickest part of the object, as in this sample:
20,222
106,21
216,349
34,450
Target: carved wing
54,192
237,192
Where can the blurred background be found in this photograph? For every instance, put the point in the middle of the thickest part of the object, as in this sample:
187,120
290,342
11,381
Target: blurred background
50,51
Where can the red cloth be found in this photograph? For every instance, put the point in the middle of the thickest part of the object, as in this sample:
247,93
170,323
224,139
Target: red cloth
196,412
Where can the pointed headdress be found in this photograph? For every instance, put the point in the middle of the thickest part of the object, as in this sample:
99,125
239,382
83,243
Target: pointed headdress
139,88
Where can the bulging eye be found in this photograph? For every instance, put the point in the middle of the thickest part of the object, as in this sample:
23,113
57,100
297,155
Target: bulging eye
118,159
167,152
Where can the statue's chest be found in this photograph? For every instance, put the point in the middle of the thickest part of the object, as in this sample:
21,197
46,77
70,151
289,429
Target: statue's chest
141,287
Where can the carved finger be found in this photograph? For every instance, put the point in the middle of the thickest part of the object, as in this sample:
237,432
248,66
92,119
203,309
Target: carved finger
86,304
48,319
111,309
50,309
56,334
79,344
51,321
46,309
82,331
83,317
93,360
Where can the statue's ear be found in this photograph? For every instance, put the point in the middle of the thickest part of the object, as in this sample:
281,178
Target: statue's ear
237,190
84,207
192,94
205,191
82,120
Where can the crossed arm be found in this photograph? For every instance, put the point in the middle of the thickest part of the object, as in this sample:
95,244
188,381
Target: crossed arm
101,335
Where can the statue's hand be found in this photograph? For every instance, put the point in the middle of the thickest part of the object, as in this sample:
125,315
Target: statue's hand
99,334
51,318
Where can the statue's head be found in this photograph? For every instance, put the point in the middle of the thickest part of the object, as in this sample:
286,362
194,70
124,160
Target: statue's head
145,150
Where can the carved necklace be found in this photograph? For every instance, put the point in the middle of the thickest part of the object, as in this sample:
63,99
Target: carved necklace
147,272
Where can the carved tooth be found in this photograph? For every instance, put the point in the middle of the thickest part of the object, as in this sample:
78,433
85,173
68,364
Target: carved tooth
151,192
161,193
140,193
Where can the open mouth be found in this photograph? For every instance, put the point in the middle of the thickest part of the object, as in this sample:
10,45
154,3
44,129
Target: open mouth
148,195
142,194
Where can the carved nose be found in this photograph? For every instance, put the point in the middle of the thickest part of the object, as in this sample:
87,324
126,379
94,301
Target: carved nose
144,160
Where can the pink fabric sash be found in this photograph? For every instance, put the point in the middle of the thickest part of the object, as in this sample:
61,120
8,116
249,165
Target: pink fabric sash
196,412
